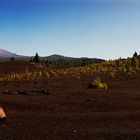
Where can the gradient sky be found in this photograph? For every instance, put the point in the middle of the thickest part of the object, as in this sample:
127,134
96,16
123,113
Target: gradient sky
79,28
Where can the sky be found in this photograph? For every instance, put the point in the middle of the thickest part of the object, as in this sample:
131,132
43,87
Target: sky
107,29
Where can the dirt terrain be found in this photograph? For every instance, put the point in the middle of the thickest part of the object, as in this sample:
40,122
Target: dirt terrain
71,111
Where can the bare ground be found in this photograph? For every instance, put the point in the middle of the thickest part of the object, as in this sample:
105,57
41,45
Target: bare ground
71,111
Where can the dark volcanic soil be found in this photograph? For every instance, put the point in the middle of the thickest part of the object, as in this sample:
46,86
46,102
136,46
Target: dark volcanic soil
71,111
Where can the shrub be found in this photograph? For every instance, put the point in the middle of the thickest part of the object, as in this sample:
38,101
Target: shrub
103,86
97,84
123,69
135,62
128,65
112,74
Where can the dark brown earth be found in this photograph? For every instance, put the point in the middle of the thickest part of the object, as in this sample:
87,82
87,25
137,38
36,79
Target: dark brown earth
17,66
71,111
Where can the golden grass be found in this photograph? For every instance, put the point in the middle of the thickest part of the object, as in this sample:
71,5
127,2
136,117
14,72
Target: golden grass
109,67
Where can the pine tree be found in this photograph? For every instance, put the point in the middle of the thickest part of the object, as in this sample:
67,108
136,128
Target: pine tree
135,54
36,59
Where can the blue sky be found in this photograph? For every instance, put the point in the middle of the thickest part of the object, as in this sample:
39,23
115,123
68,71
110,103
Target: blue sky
106,29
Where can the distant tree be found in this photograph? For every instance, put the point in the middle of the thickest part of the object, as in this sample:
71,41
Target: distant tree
135,54
12,58
84,62
36,59
31,60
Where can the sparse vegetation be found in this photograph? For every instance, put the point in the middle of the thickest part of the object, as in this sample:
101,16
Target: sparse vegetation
111,67
22,76
135,63
97,84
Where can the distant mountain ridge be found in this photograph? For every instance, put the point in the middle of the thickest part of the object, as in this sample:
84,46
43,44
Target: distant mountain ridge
7,54
56,57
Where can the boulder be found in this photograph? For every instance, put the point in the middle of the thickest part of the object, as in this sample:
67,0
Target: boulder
2,115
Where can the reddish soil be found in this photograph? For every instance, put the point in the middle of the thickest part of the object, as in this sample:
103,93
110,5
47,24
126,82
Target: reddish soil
71,111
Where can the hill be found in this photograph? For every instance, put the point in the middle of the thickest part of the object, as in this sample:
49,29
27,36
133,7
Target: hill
52,61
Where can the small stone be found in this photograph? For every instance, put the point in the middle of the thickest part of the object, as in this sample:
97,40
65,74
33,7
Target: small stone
16,92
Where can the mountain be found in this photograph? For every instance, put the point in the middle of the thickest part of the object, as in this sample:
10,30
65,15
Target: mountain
56,57
58,61
7,54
